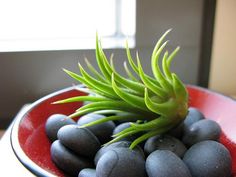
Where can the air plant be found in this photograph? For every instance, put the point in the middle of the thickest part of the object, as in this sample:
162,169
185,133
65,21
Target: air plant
156,104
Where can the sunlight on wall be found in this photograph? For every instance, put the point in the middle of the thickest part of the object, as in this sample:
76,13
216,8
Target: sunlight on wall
223,64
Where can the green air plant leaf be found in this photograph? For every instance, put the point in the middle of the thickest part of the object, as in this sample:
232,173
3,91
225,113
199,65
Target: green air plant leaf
159,103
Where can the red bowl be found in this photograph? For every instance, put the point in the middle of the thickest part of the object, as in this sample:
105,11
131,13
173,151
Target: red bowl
32,147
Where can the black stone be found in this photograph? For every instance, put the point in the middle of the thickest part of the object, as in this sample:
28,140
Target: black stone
121,162
122,127
102,131
165,142
87,172
54,123
205,129
164,163
80,140
68,161
120,144
208,159
193,116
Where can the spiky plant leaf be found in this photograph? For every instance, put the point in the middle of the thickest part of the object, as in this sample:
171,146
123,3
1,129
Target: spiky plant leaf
159,103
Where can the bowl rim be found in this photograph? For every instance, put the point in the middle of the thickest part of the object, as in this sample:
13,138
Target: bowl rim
15,144
30,165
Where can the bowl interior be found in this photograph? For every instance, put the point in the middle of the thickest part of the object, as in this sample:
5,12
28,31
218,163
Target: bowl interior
31,145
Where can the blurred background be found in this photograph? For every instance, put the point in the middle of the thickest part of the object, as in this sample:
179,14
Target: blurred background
38,38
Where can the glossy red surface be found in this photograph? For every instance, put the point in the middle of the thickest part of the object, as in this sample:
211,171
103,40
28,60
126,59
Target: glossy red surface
36,146
32,137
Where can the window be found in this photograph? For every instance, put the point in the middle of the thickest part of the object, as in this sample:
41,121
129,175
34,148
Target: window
65,24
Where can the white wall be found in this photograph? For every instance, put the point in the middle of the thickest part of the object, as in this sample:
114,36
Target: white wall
223,64
27,76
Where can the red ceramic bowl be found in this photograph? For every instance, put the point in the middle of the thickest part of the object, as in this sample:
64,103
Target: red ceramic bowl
32,147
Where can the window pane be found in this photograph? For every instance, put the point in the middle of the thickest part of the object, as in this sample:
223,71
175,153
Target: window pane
61,24
32,19
128,17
